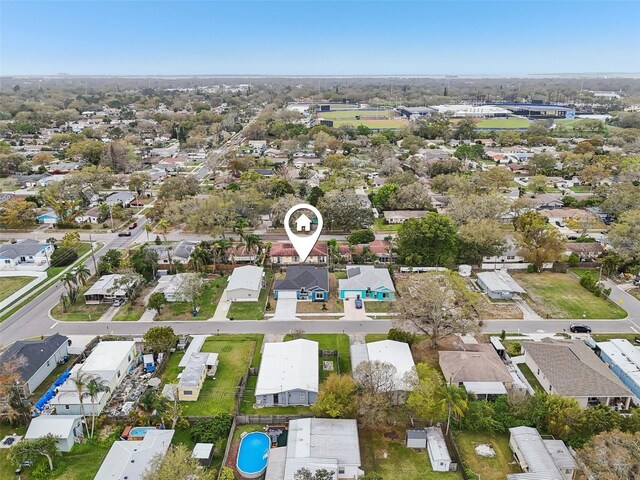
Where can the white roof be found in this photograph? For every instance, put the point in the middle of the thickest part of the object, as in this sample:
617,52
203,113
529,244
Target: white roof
288,366
192,373
107,356
485,388
57,425
500,281
248,277
624,355
438,451
324,438
196,344
130,459
363,277
396,353
535,453
202,450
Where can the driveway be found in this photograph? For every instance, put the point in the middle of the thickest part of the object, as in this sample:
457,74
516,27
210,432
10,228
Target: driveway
353,313
223,308
286,306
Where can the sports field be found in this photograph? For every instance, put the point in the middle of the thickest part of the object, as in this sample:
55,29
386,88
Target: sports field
372,118
506,123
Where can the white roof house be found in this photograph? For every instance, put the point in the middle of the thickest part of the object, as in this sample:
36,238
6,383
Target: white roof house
499,284
67,428
107,288
390,351
196,344
538,458
437,449
623,359
317,443
245,283
130,459
367,281
288,366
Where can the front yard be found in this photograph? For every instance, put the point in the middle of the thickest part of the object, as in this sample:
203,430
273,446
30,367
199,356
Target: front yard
332,305
488,468
218,394
10,285
384,453
208,303
560,295
80,312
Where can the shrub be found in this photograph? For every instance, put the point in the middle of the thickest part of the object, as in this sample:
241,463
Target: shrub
402,336
63,256
211,430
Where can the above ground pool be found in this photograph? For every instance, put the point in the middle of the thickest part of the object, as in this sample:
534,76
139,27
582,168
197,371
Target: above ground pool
253,454
138,433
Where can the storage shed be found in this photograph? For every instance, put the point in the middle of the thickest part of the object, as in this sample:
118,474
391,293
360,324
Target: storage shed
438,451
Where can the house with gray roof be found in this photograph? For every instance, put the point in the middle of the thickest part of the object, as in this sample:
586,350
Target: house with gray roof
27,254
571,369
308,283
367,282
499,284
36,359
120,198
172,254
540,459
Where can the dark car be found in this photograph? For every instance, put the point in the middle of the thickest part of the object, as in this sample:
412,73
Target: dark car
9,441
358,303
126,233
579,328
133,225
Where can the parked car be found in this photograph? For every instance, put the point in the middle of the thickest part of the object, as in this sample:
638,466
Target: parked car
133,225
117,303
358,303
126,233
579,328
8,441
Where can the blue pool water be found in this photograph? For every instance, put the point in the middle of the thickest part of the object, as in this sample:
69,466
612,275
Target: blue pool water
140,431
253,454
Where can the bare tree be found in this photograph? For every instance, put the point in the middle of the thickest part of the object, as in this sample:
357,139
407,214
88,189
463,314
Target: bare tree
376,376
437,305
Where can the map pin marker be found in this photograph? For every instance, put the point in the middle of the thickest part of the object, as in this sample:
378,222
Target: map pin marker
303,243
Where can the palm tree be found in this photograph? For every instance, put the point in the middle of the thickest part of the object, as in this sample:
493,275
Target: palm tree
199,257
80,381
164,225
252,241
69,281
239,227
148,229
94,387
82,274
221,248
453,399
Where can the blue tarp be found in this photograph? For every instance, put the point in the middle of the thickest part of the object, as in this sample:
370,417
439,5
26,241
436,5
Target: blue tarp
49,394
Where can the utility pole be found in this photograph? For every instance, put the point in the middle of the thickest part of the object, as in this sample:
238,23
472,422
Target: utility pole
93,255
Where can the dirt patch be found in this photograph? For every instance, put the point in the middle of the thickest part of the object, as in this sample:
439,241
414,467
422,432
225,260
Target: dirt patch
423,353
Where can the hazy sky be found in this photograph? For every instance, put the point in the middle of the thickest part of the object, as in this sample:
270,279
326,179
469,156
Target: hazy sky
326,38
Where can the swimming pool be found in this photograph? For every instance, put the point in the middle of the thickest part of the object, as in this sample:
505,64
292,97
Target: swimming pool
253,454
138,433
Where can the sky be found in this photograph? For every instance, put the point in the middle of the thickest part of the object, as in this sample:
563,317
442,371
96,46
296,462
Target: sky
306,37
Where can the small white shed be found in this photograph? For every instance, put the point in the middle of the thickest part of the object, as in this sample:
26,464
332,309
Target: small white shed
416,438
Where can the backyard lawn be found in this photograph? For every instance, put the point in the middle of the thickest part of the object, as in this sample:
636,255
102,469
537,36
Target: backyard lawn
494,468
560,295
218,393
208,303
10,285
379,307
389,458
531,378
252,310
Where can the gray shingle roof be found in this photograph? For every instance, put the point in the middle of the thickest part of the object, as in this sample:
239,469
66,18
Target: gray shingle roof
27,247
573,370
35,352
301,276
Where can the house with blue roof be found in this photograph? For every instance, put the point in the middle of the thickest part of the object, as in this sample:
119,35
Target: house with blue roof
48,218
367,282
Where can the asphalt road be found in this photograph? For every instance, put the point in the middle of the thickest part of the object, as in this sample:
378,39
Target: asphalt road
33,319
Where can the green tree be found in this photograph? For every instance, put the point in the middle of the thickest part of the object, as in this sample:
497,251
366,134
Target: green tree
109,262
160,339
337,397
210,430
625,233
429,241
88,150
315,195
17,213
71,240
361,236
156,301
541,243
381,198
94,387
564,417
177,463
453,400
30,449
145,262
63,256
226,474
479,239
422,399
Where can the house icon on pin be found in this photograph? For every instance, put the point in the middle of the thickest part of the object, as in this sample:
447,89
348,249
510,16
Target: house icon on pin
303,223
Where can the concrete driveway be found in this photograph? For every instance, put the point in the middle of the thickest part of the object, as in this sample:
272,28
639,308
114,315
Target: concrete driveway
286,306
353,313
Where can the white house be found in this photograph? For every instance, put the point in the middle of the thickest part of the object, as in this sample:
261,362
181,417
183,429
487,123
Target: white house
130,459
499,284
109,362
93,215
401,216
288,373
107,289
538,458
68,429
40,359
317,443
27,254
245,284
437,450
396,353
303,223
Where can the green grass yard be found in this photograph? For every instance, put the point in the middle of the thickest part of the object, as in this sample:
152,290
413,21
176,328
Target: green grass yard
208,303
393,123
494,468
531,378
218,395
560,295
331,341
10,285
80,312
252,310
379,225
129,312
391,459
